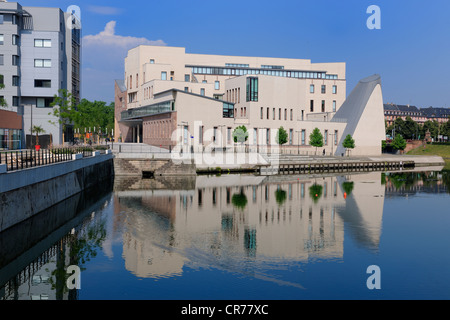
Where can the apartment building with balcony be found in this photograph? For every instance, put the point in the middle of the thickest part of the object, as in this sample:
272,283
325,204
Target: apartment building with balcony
40,54
169,97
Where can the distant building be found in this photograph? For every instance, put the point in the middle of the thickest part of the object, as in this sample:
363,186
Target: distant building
394,111
39,55
169,97
440,115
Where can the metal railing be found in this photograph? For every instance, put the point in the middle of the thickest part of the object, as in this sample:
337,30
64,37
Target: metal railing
23,159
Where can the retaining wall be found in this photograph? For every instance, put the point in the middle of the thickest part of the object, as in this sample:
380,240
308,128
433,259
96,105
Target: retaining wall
24,193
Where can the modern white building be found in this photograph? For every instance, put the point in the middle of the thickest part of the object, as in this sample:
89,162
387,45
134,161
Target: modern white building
170,98
40,55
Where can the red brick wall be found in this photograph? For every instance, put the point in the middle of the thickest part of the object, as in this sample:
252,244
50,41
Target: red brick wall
10,120
157,130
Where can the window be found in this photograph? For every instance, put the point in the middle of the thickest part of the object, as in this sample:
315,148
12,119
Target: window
323,105
292,114
273,113
267,136
152,61
311,88
303,115
2,38
15,20
334,105
1,59
202,91
325,138
311,105
279,113
335,137
229,135
15,81
15,40
43,43
262,112
137,80
334,89
15,60
285,114
303,136
38,83
252,89
200,134
163,75
1,19
267,113
15,101
323,89
228,110
186,89
255,136
204,81
291,134
43,102
187,78
217,85
42,63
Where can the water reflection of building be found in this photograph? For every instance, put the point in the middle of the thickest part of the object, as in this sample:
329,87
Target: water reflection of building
232,218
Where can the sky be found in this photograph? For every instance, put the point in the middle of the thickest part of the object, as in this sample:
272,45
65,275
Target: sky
411,50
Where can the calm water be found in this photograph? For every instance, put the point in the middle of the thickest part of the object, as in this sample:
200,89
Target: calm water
239,237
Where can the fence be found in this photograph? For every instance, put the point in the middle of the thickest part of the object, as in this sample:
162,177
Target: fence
22,159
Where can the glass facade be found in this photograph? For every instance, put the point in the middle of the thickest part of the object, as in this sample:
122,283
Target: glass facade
240,71
10,139
252,89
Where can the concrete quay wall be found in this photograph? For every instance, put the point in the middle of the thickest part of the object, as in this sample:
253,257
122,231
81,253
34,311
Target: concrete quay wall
24,193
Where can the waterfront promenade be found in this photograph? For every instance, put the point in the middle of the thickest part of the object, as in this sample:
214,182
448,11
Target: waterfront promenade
246,161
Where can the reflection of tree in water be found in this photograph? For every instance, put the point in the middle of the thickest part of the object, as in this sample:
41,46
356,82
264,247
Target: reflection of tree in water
315,192
239,200
280,196
348,187
76,249
410,180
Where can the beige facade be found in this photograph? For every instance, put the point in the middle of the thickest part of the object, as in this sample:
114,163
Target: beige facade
210,95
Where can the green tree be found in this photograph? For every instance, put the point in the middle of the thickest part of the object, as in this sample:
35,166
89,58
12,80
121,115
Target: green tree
398,143
64,109
38,130
282,136
240,134
410,129
2,86
96,114
316,138
348,143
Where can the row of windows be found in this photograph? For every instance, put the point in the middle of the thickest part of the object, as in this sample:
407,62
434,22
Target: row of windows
14,39
291,113
257,135
38,83
15,60
262,71
14,19
323,108
323,89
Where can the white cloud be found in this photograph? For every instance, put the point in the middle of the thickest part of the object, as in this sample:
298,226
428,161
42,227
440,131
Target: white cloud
103,61
108,37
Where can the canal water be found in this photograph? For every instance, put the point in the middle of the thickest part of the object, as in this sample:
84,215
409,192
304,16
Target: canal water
291,237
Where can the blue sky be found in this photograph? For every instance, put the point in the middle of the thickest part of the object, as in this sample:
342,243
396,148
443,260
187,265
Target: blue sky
411,51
